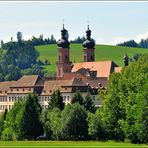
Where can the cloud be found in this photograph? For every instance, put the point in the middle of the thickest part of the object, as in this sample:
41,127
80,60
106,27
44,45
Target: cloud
118,39
141,36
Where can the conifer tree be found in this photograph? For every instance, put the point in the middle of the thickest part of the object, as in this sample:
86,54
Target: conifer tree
56,100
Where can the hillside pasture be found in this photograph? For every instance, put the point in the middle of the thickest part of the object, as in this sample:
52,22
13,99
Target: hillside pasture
102,52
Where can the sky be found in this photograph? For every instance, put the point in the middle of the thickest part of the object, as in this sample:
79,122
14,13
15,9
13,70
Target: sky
110,22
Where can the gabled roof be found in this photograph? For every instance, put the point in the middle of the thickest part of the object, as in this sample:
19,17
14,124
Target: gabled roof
28,81
65,86
53,85
96,83
5,86
103,68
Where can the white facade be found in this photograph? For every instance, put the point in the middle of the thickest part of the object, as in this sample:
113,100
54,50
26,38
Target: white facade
8,100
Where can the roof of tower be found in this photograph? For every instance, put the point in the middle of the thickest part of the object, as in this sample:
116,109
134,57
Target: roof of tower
63,42
88,43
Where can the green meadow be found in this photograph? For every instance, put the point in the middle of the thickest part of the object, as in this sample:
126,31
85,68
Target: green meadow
68,144
102,52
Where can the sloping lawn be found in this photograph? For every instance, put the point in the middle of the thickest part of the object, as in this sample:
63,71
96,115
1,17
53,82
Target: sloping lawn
68,144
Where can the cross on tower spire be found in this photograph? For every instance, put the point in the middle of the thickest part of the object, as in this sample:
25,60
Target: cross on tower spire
63,23
88,24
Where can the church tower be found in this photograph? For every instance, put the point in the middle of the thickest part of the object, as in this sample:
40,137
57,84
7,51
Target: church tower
89,50
64,63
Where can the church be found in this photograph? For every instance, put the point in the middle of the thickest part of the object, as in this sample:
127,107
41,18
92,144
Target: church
89,76
89,65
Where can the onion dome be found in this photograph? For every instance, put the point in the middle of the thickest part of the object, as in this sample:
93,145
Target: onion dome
88,43
63,42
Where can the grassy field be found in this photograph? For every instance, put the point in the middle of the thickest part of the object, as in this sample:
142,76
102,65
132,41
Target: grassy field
102,52
68,144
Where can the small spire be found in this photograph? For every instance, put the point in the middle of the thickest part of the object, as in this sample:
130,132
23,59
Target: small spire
126,59
63,23
88,24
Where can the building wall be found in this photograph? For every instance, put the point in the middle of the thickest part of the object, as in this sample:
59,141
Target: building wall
9,100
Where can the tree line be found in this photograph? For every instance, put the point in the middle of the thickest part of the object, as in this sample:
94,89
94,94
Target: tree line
131,43
36,41
122,117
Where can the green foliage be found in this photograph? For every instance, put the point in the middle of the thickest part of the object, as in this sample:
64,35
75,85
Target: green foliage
46,123
125,103
55,118
78,40
18,59
8,134
19,37
96,129
56,100
22,121
86,101
77,98
130,43
1,124
28,121
89,104
10,128
69,124
70,144
74,122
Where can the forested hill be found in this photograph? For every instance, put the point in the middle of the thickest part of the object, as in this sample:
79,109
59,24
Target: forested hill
17,59
21,57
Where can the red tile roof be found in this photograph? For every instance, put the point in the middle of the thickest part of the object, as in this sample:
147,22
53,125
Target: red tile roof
103,68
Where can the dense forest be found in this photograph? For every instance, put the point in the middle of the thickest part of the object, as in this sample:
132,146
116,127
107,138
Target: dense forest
131,43
17,59
122,117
